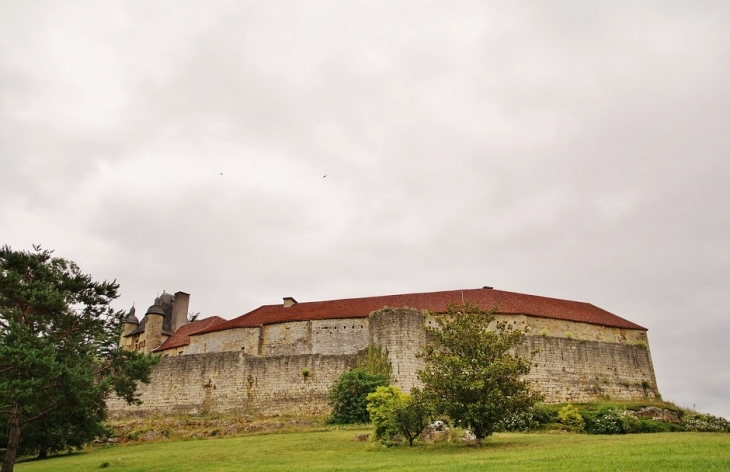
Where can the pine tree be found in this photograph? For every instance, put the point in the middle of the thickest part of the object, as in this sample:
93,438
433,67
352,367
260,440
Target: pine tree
59,358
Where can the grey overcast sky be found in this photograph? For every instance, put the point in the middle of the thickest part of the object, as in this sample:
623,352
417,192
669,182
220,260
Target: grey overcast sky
570,149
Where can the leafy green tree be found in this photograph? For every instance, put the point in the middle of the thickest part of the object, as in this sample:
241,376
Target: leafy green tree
59,358
393,412
348,395
472,373
380,408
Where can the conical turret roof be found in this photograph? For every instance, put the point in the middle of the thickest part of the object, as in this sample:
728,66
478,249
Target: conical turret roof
131,317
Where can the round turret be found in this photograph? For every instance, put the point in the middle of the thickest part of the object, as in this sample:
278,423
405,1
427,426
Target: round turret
155,318
400,332
129,324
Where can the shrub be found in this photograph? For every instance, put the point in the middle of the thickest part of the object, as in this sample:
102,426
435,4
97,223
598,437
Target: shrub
538,417
611,421
545,414
653,426
393,412
706,423
571,418
379,407
348,395
522,421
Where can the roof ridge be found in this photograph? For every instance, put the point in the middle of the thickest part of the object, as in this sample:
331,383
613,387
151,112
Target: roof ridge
368,297
361,307
494,290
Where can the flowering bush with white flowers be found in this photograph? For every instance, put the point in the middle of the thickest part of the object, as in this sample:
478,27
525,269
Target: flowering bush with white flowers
707,424
612,421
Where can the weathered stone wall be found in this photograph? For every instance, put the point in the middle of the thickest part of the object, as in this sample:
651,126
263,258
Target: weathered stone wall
331,337
567,329
579,331
400,331
340,336
289,367
175,351
287,339
573,362
235,382
569,370
240,339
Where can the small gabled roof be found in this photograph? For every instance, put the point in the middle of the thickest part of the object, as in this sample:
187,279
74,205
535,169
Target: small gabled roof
485,298
181,337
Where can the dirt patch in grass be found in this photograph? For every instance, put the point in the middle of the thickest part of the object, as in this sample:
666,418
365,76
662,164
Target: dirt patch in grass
174,428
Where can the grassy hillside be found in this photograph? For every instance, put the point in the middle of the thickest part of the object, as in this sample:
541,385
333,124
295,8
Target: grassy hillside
336,450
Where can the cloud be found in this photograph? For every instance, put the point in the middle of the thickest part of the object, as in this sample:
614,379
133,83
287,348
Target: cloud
574,150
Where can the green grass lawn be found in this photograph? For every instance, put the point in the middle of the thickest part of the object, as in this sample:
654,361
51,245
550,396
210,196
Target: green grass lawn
336,450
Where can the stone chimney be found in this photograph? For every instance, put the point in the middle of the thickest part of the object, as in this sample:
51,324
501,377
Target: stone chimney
289,301
180,310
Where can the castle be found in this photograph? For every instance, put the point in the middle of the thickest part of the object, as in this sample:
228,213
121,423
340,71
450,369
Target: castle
282,359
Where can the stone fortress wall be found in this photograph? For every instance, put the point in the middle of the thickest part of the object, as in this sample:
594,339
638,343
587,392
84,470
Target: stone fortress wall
236,382
331,337
288,368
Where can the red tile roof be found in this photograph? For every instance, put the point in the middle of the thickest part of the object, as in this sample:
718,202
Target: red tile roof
506,302
181,337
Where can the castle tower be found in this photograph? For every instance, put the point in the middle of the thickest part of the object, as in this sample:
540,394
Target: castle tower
402,332
153,327
129,324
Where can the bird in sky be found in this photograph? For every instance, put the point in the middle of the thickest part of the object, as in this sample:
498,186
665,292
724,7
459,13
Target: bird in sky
325,175
221,173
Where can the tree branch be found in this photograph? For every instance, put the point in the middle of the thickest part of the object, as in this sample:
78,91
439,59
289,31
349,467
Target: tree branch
39,415
47,387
